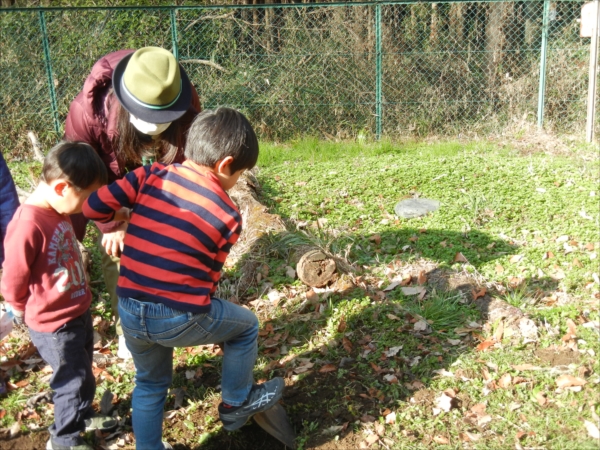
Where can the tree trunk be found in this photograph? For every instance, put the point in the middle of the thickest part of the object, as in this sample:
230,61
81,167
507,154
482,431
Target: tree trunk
497,13
457,23
434,28
316,269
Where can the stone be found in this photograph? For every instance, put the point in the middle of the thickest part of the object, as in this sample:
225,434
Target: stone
415,207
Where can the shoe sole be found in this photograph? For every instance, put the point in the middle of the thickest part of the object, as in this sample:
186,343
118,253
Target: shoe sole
235,424
102,429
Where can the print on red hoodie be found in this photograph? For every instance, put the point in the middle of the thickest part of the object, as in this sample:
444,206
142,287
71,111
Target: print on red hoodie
43,272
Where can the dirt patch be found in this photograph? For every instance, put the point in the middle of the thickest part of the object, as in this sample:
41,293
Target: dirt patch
557,356
33,441
424,396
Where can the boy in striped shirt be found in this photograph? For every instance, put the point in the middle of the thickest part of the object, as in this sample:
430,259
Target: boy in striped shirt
181,228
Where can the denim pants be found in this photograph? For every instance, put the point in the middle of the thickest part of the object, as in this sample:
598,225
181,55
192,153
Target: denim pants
152,330
69,351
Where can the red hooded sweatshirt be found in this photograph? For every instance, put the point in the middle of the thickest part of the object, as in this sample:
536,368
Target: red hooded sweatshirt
92,118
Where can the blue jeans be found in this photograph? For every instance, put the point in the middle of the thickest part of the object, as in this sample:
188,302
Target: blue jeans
152,330
69,351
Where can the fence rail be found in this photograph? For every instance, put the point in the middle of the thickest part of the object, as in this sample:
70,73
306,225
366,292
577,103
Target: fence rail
382,68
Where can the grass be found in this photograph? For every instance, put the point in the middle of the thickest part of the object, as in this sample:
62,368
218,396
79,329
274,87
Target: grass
526,228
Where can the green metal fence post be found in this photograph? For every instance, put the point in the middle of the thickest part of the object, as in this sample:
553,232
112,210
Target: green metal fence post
174,33
48,63
378,111
542,88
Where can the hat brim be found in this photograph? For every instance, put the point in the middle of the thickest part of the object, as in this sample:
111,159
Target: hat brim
170,114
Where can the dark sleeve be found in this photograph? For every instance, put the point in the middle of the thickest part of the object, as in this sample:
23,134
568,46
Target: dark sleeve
9,202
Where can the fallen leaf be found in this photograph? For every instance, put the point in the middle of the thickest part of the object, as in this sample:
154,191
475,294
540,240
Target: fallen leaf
290,272
571,331
486,374
515,258
514,406
450,392
454,341
480,293
371,439
548,255
390,418
347,344
422,278
522,367
520,435
505,381
375,367
376,238
440,440
558,275
592,429
391,286
499,269
22,383
342,325
366,418
467,436
445,402
421,325
15,429
565,381
410,290
444,373
304,367
393,317
459,257
483,346
484,420
390,378
540,397
328,368
392,351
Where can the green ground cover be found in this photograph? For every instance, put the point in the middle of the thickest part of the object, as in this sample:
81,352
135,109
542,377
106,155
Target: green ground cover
406,350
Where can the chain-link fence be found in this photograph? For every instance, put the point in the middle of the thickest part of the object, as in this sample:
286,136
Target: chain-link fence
375,68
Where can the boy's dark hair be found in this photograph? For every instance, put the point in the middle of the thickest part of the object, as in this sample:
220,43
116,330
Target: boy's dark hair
217,134
76,162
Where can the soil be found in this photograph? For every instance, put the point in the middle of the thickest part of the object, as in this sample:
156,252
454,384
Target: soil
558,356
35,440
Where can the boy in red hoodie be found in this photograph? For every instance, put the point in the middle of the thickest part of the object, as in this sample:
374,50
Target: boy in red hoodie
44,282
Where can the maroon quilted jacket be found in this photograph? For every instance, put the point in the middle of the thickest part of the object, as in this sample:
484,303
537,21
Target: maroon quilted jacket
92,118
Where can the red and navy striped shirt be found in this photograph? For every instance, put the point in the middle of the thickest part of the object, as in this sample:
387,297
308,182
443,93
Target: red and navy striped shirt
182,226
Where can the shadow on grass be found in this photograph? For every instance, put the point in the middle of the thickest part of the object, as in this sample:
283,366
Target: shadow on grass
365,356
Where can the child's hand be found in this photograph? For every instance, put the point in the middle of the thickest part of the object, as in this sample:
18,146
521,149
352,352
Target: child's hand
123,214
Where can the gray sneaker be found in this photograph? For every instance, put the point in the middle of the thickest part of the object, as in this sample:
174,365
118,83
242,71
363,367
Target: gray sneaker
52,446
261,397
98,422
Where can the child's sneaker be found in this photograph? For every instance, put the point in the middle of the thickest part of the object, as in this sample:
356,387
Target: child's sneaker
261,397
123,352
98,422
52,446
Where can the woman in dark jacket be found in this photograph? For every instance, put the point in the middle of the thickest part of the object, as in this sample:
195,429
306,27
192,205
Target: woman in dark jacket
9,202
135,108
